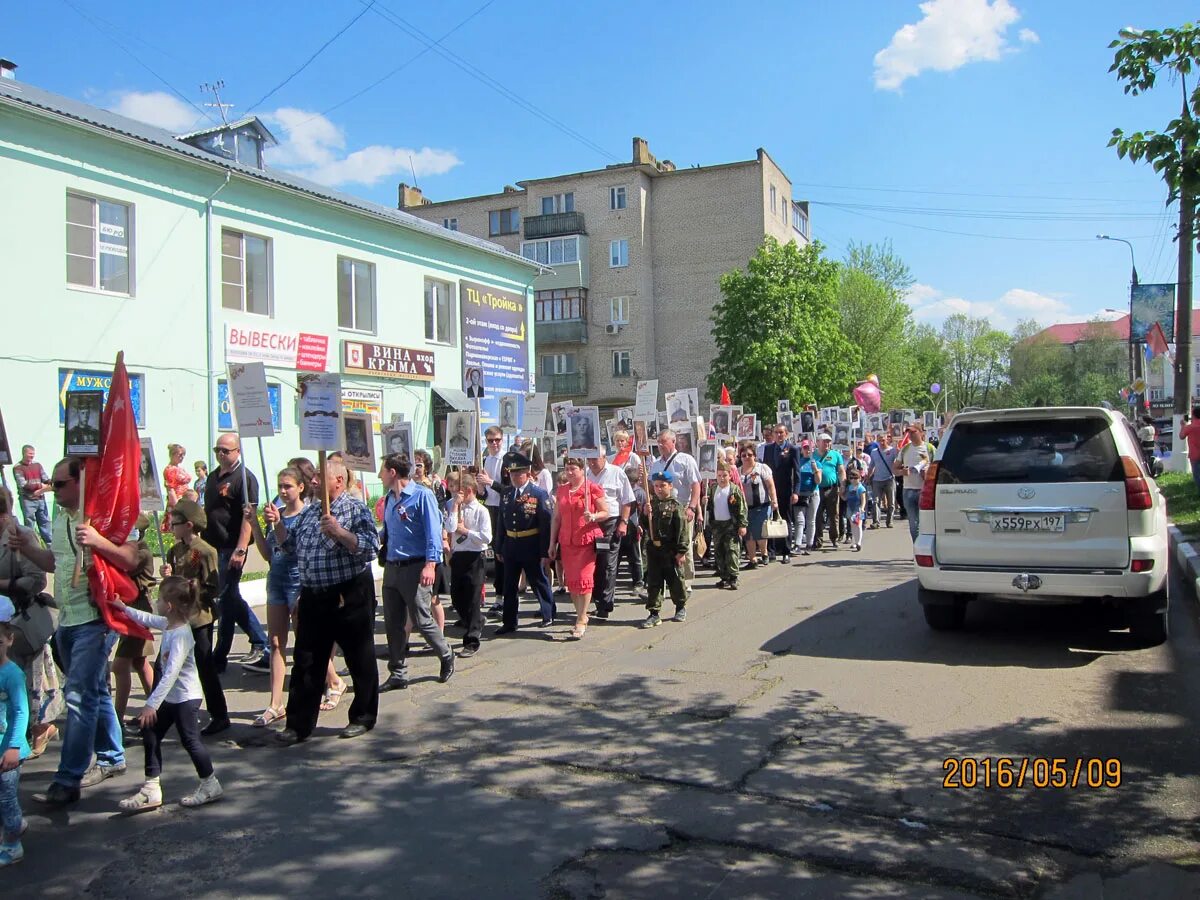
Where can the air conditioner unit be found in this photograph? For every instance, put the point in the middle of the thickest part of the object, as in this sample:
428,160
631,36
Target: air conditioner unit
612,328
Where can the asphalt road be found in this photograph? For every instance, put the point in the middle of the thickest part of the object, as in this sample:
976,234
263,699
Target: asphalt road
788,740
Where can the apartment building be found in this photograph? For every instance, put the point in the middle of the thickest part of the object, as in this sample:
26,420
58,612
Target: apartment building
636,250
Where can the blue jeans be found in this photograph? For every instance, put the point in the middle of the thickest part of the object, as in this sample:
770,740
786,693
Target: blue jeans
10,805
37,517
912,507
92,725
1196,473
234,610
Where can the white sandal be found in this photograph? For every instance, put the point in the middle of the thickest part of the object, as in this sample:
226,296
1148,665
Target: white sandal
269,715
143,800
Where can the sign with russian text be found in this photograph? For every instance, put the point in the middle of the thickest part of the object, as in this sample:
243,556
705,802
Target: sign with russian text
386,361
282,349
495,340
364,400
320,405
251,402
225,407
87,380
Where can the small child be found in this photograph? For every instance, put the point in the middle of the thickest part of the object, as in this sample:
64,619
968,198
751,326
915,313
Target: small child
14,748
667,550
176,697
854,496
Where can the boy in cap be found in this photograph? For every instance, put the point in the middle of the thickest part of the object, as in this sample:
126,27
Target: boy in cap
667,549
14,748
727,513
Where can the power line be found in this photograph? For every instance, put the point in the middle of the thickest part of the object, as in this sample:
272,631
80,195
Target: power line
1014,215
408,28
892,190
308,61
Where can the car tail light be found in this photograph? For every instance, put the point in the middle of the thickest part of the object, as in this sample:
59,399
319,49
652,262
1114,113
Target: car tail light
925,561
1137,489
1141,565
929,489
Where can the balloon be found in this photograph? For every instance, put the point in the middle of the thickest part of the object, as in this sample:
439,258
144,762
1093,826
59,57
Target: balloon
874,379
935,388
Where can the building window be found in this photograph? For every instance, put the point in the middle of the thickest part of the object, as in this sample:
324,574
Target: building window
772,199
1156,393
558,364
451,224
618,253
616,197
99,244
504,221
564,304
245,272
439,311
799,219
620,310
356,295
553,251
558,203
621,366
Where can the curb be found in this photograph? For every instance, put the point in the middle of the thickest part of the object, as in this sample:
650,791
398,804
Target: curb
1186,557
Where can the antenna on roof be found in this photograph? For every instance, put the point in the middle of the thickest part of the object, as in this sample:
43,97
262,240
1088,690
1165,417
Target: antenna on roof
215,89
414,171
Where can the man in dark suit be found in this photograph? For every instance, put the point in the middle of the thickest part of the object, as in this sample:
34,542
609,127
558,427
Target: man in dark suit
779,457
524,542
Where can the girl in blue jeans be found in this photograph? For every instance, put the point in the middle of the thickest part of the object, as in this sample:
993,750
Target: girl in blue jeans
14,749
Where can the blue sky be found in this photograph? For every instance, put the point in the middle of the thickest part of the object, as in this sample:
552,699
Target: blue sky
898,120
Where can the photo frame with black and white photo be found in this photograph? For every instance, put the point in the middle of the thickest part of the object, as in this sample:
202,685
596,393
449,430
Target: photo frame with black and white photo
683,442
677,407
724,421
583,432
783,406
930,418
640,438
461,435
150,489
558,413
397,439
895,416
81,436
896,430
549,452
807,422
706,458
358,443
747,427
625,418
786,419
510,422
610,428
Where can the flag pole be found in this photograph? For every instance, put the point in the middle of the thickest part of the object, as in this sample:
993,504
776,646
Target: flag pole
82,521
324,483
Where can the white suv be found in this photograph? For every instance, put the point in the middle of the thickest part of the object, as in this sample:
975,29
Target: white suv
1043,505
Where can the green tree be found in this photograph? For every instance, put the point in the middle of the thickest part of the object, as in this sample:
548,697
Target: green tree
778,331
977,360
928,362
1045,372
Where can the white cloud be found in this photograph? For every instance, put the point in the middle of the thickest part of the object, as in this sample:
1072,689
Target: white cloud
933,306
314,147
1028,36
156,108
951,34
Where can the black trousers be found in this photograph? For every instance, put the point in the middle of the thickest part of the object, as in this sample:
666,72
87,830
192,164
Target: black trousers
604,587
783,546
631,549
831,511
345,614
466,593
535,576
206,669
186,719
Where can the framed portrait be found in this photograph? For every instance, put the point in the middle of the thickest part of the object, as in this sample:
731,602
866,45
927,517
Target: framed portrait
806,423
398,439
678,409
150,487
930,418
683,442
747,427
82,423
509,421
473,382
896,429
610,429
786,419
841,434
358,442
583,432
724,420
641,437
783,406
549,452
895,416
625,418
461,437
558,412
706,458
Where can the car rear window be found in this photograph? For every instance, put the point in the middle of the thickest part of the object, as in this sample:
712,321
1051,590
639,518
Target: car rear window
1032,451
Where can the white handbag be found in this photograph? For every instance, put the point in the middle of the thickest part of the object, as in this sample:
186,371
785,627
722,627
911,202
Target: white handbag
775,527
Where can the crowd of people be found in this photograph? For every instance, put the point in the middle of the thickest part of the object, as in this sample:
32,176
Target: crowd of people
552,534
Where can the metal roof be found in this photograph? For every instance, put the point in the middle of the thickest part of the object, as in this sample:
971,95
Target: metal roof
232,126
34,99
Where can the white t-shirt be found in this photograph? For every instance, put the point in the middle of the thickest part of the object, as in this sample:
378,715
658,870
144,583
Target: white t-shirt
914,456
686,472
546,482
721,504
179,680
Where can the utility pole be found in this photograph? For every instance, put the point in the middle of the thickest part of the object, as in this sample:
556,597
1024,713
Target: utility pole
1183,306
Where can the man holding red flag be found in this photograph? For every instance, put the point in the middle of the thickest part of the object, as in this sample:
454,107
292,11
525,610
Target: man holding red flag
88,624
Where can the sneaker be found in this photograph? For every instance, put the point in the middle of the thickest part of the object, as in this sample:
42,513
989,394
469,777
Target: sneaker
857,547
98,773
260,664
149,796
651,621
680,615
11,853
209,790
57,795
733,585
786,559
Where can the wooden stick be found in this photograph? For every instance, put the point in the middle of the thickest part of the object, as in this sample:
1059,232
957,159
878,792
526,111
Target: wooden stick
478,436
83,521
324,483
266,485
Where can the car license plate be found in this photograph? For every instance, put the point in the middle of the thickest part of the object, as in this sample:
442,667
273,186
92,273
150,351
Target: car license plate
1053,523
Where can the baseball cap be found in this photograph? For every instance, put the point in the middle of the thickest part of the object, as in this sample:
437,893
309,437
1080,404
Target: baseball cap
824,436
806,444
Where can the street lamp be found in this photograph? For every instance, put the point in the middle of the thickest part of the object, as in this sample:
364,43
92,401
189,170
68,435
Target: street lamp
1133,266
1132,263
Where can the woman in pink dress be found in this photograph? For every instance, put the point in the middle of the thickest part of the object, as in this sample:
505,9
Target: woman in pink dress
579,508
176,480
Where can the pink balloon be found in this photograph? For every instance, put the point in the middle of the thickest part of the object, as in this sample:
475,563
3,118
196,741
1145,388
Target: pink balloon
867,396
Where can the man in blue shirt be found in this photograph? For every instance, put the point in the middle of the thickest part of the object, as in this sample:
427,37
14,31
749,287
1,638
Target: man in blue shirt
833,473
412,528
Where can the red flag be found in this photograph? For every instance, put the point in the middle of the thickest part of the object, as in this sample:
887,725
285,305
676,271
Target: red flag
725,401
112,501
1156,340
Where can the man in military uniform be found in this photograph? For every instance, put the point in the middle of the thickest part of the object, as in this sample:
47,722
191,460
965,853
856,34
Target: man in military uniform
667,550
524,542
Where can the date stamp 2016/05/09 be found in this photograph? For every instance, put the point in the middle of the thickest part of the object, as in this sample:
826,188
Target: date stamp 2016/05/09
1007,772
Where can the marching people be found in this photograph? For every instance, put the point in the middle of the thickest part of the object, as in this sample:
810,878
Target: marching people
758,486
806,496
910,464
833,473
624,456
631,544
413,531
32,485
337,604
881,482
228,532
201,469
423,474
780,458
175,699
619,496
524,544
727,515
579,509
854,497
685,476
469,529
175,477
14,747
133,654
488,486
668,549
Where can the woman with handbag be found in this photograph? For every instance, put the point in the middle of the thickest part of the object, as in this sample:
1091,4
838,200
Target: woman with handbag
24,583
579,509
759,488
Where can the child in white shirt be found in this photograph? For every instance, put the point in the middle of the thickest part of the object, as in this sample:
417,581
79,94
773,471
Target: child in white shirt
176,697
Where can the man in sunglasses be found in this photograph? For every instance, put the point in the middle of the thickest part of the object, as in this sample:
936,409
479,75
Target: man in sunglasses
489,484
228,531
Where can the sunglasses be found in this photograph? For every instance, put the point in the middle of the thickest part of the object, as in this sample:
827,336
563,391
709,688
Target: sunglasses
58,485
222,451
494,440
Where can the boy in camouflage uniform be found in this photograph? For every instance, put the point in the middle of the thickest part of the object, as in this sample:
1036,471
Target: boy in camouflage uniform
666,550
728,517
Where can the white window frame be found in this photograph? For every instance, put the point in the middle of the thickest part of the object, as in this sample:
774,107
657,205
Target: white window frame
529,250
354,326
774,206
97,251
618,308
618,197
451,312
559,203
450,224
619,357
618,253
560,361
270,263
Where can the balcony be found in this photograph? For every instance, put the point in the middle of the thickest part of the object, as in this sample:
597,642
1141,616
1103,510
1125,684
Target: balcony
561,331
572,385
553,225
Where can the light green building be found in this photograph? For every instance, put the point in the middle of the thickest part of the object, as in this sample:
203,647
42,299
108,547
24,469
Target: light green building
187,253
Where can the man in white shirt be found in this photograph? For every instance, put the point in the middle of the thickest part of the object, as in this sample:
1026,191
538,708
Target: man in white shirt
488,486
619,493
687,489
469,530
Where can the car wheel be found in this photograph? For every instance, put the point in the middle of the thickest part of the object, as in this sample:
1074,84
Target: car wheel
1148,627
944,611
